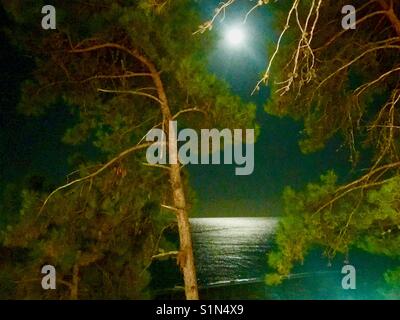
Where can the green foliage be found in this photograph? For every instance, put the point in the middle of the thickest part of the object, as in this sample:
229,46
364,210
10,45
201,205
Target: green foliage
323,85
273,279
322,96
392,278
114,230
109,226
367,219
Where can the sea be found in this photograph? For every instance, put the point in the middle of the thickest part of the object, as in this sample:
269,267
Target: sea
231,262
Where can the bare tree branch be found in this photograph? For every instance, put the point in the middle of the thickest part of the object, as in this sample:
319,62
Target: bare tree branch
97,172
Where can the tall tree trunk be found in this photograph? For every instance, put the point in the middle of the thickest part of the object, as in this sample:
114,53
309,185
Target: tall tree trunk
185,256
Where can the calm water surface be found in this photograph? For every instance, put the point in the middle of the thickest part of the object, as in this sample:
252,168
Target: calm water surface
231,261
232,251
229,249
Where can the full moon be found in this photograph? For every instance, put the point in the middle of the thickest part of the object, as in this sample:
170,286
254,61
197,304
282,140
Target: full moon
235,36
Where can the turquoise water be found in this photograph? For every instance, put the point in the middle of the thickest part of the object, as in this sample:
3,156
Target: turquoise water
231,259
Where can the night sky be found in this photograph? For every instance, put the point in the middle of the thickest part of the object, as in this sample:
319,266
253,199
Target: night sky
278,160
32,145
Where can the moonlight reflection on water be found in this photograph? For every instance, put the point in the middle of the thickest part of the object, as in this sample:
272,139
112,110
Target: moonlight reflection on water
231,261
228,249
234,250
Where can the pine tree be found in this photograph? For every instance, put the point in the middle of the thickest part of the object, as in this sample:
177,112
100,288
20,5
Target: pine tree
340,83
122,68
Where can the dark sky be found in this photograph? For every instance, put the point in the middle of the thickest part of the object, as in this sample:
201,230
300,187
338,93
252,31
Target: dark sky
32,145
28,145
278,160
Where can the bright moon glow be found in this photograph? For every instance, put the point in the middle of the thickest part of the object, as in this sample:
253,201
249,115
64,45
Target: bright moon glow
235,36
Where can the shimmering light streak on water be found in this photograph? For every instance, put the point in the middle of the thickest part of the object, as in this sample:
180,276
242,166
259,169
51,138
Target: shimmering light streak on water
232,251
229,249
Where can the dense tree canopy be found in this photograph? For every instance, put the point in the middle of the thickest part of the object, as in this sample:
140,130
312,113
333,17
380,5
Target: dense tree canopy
341,83
122,68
